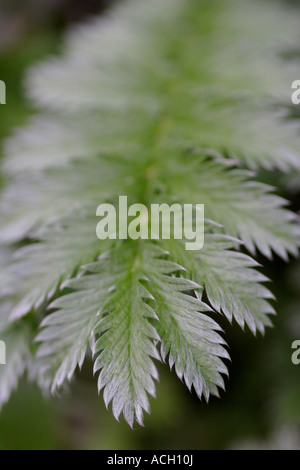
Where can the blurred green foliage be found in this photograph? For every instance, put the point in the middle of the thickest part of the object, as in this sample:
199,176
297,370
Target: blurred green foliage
262,399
